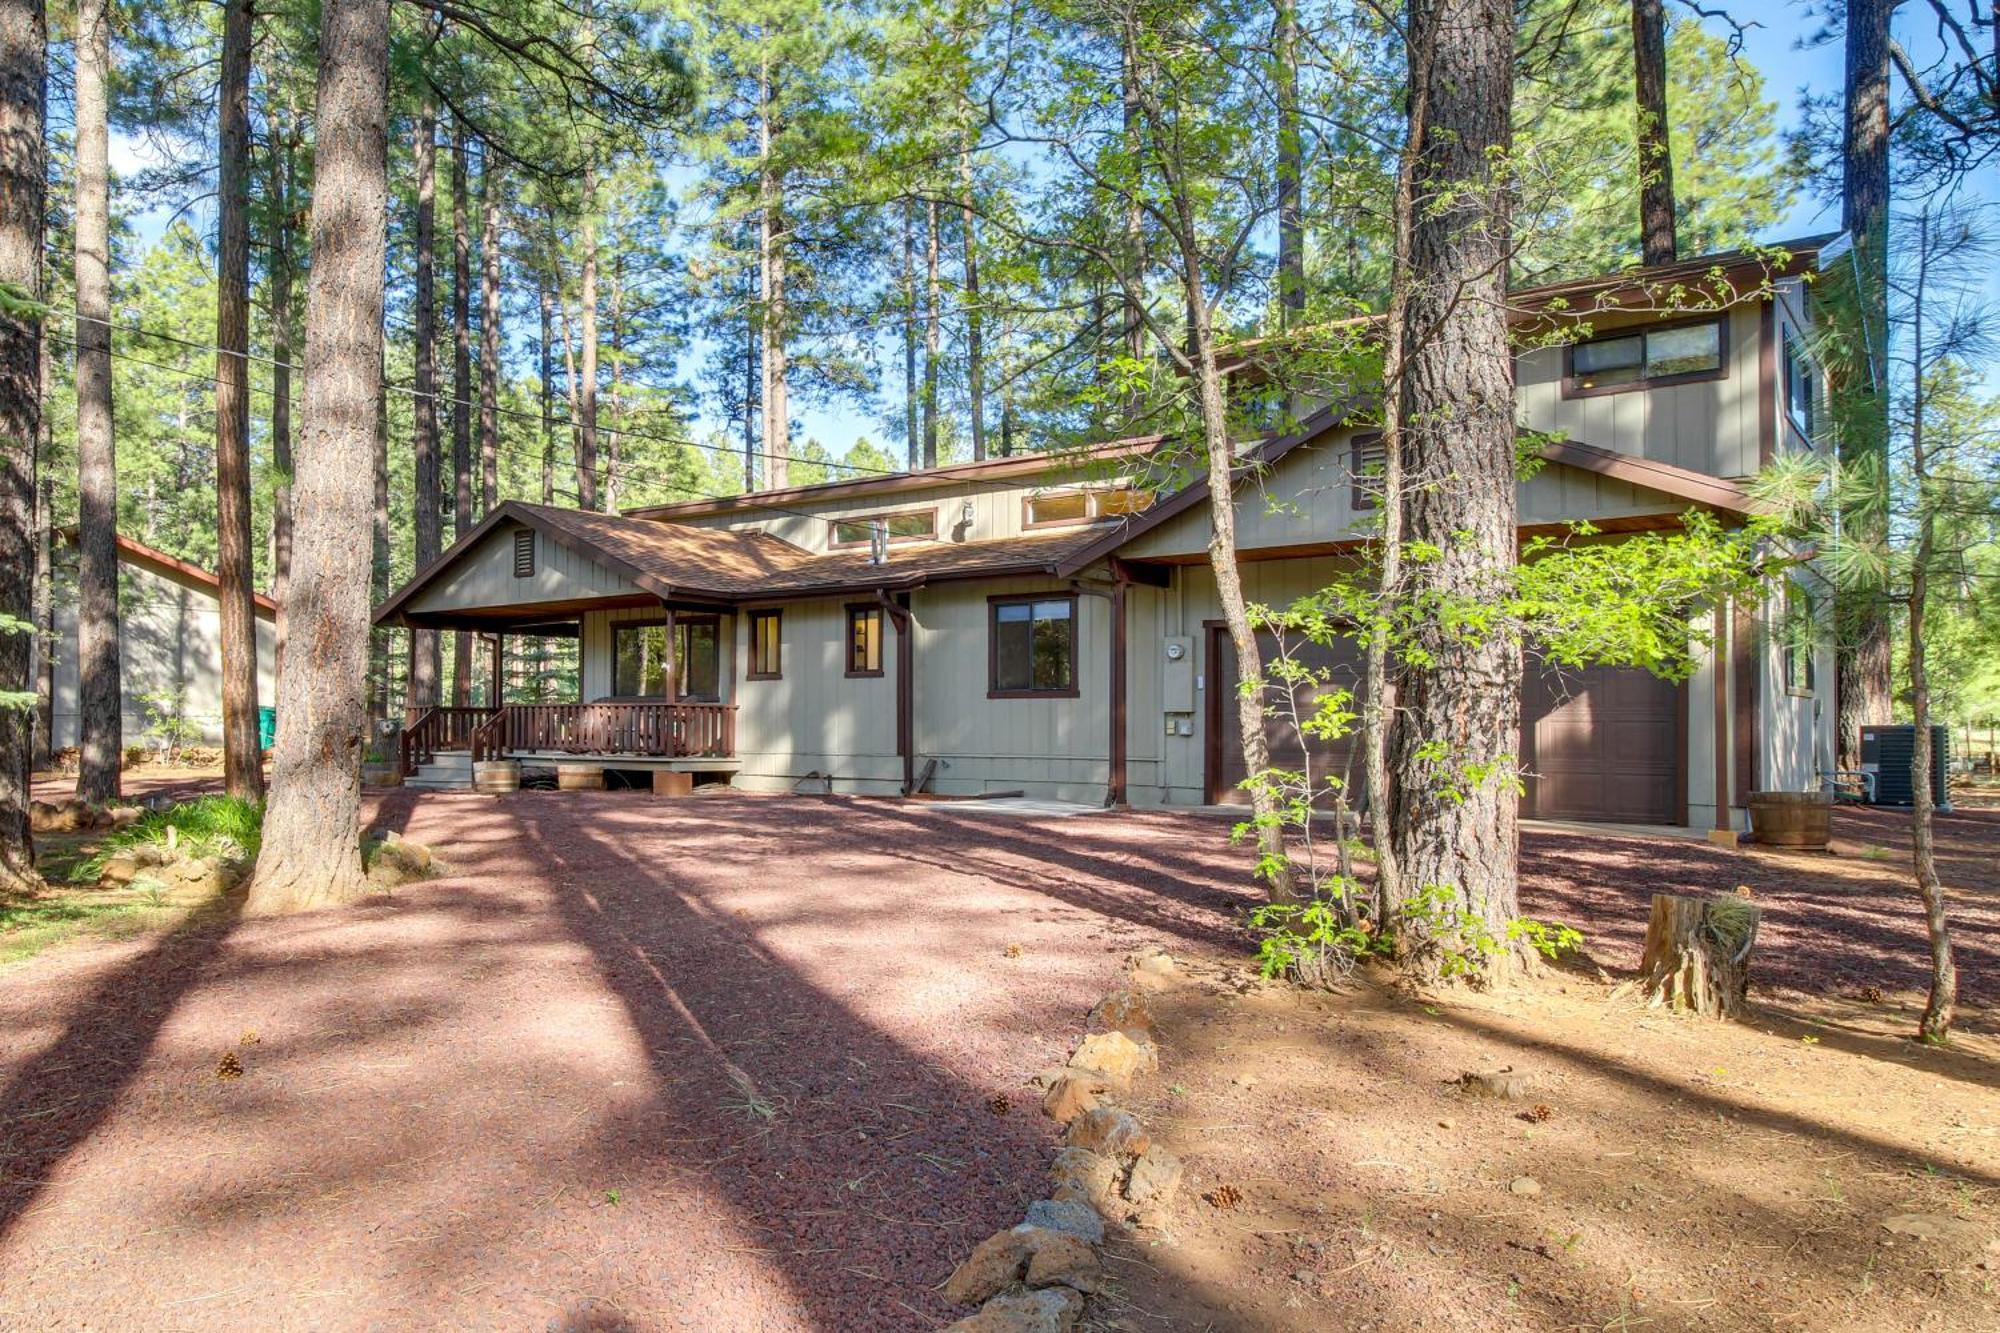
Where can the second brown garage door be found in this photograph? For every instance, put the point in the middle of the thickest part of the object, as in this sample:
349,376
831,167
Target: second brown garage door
1601,744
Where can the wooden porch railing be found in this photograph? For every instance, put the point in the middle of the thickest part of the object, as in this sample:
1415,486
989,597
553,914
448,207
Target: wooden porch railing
434,729
664,730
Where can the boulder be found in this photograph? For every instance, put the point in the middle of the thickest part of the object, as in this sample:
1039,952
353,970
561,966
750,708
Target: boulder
1069,1216
1045,1078
995,1264
1109,1131
1050,1310
1124,1011
1504,1084
124,816
397,862
1066,1260
1074,1094
120,869
1116,1056
1154,969
1085,1177
1155,1178
61,817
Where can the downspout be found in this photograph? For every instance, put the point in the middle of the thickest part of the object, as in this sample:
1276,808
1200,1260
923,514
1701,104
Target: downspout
1724,832
897,609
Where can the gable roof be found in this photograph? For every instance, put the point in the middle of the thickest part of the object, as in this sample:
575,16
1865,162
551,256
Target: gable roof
135,552
675,561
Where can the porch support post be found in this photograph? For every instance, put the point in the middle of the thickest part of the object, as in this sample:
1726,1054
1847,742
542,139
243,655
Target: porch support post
496,670
671,668
897,610
1724,832
1115,793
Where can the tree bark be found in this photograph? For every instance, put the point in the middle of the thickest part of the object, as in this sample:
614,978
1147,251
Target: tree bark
775,327
1291,157
548,302
24,42
235,570
912,407
1451,821
931,335
281,373
975,352
1697,955
42,750
378,548
489,335
1656,159
1862,666
312,852
462,392
426,661
612,444
586,440
99,701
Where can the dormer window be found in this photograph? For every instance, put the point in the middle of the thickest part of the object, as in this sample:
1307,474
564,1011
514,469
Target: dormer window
1647,358
1055,509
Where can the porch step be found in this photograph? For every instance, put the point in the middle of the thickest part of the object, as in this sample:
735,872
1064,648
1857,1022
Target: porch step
447,771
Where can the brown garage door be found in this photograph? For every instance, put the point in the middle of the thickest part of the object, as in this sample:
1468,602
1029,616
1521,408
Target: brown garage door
1601,743
1225,770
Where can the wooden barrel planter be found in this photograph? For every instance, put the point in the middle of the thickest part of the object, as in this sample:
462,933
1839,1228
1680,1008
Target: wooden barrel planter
580,777
1791,818
496,776
381,775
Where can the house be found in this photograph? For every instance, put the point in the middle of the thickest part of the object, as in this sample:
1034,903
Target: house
1047,625
169,647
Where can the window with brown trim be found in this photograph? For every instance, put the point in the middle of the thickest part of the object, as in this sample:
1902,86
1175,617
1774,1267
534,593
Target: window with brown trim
639,659
907,525
1365,462
1031,647
1054,509
1647,358
766,646
864,640
524,553
1801,387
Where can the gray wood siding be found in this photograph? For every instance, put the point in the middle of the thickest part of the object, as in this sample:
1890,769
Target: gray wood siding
816,718
1711,426
1308,499
484,576
170,640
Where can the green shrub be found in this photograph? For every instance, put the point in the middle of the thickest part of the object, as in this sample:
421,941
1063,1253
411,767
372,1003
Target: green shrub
224,826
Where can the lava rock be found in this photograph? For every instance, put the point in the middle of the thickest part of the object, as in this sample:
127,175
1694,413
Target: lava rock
1124,1011
1116,1056
1067,1215
1156,1177
1109,1131
1074,1094
994,1265
1050,1310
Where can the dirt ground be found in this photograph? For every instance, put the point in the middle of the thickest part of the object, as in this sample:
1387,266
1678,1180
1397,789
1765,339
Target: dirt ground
756,1063
1685,1174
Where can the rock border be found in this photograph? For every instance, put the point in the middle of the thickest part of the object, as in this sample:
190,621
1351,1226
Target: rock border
1037,1276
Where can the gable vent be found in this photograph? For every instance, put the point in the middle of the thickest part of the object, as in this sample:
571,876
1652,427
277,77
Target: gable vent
524,553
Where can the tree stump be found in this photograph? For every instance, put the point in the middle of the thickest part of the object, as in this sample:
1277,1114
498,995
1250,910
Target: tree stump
1698,953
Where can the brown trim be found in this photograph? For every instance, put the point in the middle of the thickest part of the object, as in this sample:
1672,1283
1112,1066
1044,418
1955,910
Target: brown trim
1141,571
1685,769
1732,267
1013,465
862,608
1115,792
999,599
1721,320
750,619
1029,523
1767,383
833,524
1718,688
1214,634
1744,681
897,611
1679,482
138,553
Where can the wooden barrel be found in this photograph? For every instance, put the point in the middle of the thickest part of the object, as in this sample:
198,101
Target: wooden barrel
381,775
495,776
580,777
1791,818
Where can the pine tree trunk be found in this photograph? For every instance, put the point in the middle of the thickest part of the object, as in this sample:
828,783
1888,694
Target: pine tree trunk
281,376
548,301
975,352
235,569
463,392
1451,823
1291,158
43,601
775,326
378,547
24,41
99,704
426,659
612,445
1861,660
586,446
490,369
931,335
312,852
912,407
1656,159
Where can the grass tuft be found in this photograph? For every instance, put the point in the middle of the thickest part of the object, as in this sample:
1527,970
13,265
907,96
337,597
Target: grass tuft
207,826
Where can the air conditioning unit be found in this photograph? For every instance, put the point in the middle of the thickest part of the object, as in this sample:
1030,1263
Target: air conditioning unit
1887,752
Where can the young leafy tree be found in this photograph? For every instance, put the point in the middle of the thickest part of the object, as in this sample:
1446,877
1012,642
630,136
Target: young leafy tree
24,42
311,850
99,706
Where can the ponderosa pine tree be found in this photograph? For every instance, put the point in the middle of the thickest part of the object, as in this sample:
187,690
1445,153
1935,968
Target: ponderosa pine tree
99,707
311,851
1655,158
426,659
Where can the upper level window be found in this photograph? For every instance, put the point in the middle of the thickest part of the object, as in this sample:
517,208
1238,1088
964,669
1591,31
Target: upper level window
1647,358
1801,387
1364,464
766,646
864,640
909,525
1051,509
1032,646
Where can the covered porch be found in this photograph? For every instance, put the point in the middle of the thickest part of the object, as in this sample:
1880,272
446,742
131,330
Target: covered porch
685,736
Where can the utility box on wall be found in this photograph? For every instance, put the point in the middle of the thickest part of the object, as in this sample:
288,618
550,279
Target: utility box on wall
1177,674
